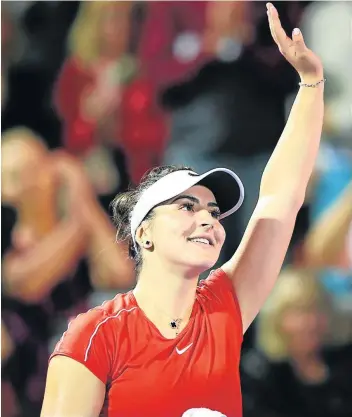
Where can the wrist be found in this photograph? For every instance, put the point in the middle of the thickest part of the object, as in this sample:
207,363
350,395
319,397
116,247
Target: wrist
311,78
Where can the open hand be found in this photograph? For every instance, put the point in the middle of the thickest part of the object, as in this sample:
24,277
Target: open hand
306,63
70,173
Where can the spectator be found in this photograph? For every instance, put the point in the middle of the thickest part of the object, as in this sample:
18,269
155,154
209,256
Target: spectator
60,245
296,372
35,198
89,89
326,245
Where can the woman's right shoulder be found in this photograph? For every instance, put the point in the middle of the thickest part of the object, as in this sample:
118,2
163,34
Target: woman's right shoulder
116,309
96,322
91,338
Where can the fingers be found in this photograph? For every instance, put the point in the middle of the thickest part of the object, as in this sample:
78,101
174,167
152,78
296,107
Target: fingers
298,39
271,23
277,32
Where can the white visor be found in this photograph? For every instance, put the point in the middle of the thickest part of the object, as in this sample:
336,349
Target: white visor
224,184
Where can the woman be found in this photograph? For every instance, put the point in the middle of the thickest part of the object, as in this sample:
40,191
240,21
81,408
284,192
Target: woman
46,190
102,108
88,92
296,333
169,345
56,244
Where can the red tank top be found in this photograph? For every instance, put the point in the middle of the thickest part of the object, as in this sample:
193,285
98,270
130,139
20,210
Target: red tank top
150,376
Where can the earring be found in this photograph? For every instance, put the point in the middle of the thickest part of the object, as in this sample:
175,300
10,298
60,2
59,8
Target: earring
147,244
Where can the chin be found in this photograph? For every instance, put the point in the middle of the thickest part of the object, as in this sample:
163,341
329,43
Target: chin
201,267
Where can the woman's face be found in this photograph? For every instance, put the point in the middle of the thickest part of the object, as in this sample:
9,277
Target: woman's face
115,28
177,225
304,329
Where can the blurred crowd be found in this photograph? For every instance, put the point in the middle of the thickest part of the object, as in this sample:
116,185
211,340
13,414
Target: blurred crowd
95,93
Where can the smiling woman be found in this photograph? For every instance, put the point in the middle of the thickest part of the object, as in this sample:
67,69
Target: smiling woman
172,345
159,192
171,223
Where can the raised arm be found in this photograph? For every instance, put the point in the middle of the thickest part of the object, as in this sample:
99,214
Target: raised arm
326,242
255,266
110,266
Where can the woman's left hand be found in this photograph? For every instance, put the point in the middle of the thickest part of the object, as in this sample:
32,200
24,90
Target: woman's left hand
307,64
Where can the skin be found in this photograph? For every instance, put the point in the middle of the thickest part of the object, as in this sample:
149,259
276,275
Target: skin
333,226
304,330
46,259
182,261
254,267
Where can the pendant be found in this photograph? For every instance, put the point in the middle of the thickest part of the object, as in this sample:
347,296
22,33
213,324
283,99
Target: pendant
175,324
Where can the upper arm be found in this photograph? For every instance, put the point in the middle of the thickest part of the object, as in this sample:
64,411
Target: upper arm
256,264
80,368
72,390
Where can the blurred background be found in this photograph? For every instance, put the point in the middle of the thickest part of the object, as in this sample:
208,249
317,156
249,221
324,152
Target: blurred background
95,93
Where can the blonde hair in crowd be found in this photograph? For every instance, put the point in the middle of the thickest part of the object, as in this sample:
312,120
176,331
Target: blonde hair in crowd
83,39
295,289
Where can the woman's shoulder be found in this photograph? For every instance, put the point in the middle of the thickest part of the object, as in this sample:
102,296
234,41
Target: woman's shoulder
218,293
92,330
115,308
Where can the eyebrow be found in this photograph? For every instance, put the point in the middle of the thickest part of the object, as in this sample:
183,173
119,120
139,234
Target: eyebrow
193,199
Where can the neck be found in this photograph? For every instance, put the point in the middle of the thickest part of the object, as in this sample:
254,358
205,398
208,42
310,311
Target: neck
110,53
310,368
305,360
165,291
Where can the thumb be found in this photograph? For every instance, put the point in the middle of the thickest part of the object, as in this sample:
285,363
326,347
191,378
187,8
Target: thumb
297,38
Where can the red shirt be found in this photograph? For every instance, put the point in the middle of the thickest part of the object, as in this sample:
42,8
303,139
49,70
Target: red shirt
165,20
139,126
150,376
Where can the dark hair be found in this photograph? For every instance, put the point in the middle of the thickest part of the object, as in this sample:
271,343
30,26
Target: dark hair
124,203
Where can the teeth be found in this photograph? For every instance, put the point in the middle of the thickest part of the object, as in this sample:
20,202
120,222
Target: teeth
201,240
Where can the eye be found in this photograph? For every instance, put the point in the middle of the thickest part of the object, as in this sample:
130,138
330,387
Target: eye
187,207
216,214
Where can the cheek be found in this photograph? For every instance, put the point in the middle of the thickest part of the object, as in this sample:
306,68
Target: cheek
292,324
220,234
172,230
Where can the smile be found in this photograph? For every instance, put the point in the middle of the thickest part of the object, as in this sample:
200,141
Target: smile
201,240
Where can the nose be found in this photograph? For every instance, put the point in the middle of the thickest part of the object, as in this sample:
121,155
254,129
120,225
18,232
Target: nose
206,219
207,226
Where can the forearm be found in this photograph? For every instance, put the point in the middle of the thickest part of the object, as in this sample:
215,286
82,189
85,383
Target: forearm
327,239
31,276
109,262
291,164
